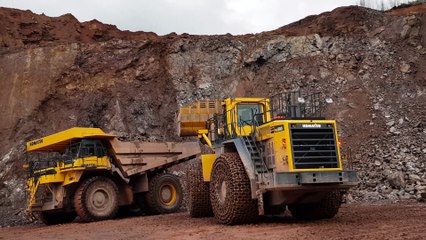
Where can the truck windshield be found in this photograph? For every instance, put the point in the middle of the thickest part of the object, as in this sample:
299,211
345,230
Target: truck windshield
72,150
85,148
246,112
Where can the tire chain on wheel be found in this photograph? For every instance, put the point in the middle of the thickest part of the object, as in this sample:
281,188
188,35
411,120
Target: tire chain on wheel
198,192
80,196
239,207
326,208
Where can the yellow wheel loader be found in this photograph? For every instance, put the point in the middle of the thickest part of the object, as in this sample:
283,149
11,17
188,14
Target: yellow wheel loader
88,173
266,155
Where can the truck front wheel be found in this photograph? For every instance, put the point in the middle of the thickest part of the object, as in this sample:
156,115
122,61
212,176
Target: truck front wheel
96,199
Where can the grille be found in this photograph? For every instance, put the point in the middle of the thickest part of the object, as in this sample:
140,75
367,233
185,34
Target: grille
313,146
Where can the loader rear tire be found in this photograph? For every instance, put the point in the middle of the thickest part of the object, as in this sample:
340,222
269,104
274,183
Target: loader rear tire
165,194
96,199
53,218
198,192
230,192
326,208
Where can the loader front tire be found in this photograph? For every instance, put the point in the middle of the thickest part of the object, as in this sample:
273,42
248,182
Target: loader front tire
230,192
327,207
96,199
165,194
198,192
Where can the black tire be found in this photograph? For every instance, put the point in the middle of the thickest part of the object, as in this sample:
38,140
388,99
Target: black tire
96,199
165,194
53,218
326,208
230,192
198,192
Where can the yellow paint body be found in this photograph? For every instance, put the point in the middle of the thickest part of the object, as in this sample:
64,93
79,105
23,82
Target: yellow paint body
283,155
193,118
64,173
58,142
277,143
92,151
207,161
230,105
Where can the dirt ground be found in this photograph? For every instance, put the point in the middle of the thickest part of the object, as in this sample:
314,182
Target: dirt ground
354,221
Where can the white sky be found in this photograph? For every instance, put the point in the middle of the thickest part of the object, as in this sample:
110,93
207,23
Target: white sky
184,16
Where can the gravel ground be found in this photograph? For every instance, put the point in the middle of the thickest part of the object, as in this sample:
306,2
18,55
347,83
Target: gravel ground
354,221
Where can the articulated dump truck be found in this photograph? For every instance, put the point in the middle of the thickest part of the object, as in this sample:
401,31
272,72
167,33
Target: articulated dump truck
88,173
266,155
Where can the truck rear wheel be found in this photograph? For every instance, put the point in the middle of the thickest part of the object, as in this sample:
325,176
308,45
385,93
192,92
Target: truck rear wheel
326,208
230,192
198,192
52,218
165,194
96,199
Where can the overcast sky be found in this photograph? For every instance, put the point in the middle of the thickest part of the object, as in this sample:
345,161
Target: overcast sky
184,16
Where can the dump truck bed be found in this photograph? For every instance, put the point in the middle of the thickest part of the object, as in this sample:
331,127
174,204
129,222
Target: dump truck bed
139,157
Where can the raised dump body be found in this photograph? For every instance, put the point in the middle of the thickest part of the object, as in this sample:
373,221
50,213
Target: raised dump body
92,173
193,118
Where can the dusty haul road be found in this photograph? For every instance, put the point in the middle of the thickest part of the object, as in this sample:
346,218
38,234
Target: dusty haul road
354,221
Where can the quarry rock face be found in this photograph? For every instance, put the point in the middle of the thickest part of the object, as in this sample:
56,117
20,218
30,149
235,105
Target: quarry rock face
58,73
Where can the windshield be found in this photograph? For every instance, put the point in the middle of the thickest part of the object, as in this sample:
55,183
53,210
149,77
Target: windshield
85,148
246,112
72,150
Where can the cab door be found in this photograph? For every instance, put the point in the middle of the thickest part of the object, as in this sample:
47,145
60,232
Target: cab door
249,115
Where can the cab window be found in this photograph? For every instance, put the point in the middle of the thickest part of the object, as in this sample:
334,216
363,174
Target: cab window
88,150
245,113
100,151
72,150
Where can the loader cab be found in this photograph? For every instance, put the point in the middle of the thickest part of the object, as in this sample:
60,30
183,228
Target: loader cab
242,115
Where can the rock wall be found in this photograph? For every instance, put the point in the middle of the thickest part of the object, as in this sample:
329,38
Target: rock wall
58,73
